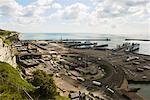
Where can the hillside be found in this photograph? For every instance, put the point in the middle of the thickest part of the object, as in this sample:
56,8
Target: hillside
12,86
8,36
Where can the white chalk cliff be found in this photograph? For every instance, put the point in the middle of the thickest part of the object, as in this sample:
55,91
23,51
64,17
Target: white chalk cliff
6,54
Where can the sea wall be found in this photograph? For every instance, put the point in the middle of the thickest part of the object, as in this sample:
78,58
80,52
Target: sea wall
7,55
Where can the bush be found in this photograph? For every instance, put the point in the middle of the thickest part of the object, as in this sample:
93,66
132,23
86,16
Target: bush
46,89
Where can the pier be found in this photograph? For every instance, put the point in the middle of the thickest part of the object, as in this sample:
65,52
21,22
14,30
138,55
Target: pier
72,40
137,39
87,39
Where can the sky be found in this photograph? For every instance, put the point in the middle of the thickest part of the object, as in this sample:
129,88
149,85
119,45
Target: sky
76,16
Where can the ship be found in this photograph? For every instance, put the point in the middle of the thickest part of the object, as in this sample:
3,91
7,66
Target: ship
133,47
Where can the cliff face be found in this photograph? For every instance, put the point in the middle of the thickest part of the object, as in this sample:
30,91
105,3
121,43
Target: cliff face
6,54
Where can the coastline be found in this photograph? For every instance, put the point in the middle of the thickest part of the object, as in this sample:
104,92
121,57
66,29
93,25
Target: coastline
100,53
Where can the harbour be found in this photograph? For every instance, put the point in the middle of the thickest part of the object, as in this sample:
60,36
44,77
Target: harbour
74,50
85,68
109,55
144,49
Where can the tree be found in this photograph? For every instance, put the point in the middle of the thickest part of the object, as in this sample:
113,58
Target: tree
46,89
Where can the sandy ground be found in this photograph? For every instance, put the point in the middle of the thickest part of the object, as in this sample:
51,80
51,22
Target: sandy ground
64,87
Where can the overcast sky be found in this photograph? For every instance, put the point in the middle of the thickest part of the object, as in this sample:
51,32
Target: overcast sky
82,16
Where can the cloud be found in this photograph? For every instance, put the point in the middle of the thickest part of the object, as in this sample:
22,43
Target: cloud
44,2
120,8
90,13
97,1
76,12
34,12
136,2
38,8
29,20
56,6
5,1
103,10
10,8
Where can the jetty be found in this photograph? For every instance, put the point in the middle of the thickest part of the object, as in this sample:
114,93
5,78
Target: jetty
137,39
71,40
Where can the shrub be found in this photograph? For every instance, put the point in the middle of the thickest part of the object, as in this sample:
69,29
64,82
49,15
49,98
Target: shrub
45,83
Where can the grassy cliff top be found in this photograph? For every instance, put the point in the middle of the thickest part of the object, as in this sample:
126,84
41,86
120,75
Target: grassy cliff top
8,36
12,85
7,32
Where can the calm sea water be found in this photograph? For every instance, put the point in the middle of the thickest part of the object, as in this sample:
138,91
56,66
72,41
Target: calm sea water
115,40
144,91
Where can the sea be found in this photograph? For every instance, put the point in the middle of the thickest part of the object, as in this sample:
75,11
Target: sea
116,39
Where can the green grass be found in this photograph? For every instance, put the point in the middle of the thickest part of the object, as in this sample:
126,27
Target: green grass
5,32
61,98
7,41
5,35
11,83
